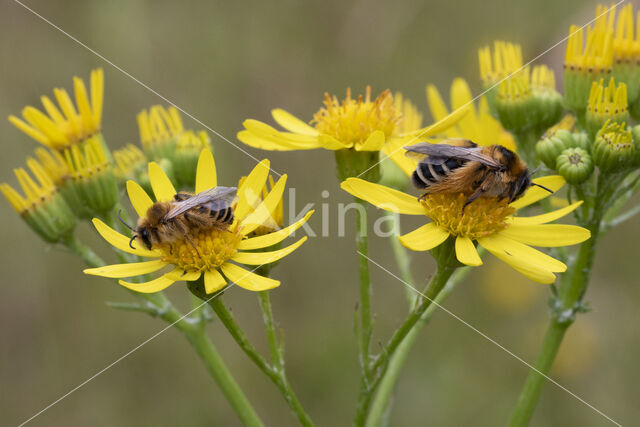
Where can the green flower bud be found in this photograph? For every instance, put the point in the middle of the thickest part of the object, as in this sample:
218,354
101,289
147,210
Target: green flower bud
613,150
92,176
635,134
581,140
42,207
608,103
552,144
186,157
575,165
547,102
514,104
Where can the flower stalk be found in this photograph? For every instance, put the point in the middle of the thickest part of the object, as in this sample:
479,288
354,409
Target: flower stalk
160,306
274,372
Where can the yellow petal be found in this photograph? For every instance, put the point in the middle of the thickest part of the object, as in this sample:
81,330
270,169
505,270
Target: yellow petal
186,276
213,281
552,182
261,258
529,270
396,153
246,279
292,123
442,124
437,106
261,135
424,238
547,235
270,239
249,193
122,242
155,285
127,270
515,249
466,252
544,218
374,142
330,143
383,197
206,171
160,183
265,211
139,198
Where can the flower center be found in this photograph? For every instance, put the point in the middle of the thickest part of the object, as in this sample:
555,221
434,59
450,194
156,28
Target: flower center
352,121
214,248
483,217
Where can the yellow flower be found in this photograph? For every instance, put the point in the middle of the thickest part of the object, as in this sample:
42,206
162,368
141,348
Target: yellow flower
159,130
42,207
68,125
129,161
506,59
478,125
489,221
216,249
274,222
362,124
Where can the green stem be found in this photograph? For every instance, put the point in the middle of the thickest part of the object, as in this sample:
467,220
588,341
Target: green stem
277,356
568,302
194,333
447,263
278,377
365,291
403,260
382,399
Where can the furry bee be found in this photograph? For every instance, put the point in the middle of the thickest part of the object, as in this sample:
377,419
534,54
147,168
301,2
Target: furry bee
461,166
184,216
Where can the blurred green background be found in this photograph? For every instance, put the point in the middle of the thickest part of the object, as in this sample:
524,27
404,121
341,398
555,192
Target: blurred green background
227,61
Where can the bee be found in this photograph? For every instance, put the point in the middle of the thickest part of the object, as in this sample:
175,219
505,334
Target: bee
184,217
461,166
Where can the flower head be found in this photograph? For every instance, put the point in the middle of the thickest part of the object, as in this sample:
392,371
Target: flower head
490,222
361,124
586,63
506,59
606,103
130,161
42,207
614,149
68,124
626,52
159,131
213,252
190,145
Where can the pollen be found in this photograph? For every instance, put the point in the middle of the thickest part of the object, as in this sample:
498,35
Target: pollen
207,250
482,217
352,121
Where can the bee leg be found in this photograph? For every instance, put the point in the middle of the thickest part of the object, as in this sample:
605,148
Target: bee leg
188,239
471,198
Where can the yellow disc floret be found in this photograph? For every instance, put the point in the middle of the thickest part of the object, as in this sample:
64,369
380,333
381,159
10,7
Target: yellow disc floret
208,249
352,121
484,217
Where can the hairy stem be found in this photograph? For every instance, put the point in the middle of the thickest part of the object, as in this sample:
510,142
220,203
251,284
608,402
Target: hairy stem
382,398
160,306
277,376
365,328
447,263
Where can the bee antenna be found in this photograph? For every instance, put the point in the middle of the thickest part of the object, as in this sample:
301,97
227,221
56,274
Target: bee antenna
535,170
122,221
131,241
542,186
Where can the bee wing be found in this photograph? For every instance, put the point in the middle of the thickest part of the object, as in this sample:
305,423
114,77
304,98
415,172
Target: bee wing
215,198
437,154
